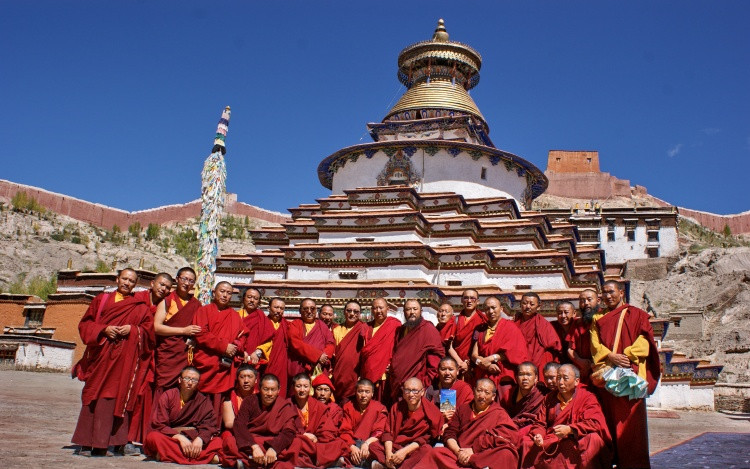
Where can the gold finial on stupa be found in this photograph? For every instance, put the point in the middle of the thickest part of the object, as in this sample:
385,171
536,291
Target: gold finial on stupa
140,264
70,263
441,35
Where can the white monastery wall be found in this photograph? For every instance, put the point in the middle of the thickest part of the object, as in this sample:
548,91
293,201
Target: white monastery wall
622,250
32,356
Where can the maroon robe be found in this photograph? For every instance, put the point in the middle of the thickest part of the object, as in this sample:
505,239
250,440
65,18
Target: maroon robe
542,341
229,452
464,333
579,340
508,342
305,348
627,418
140,418
523,412
275,428
337,414
170,356
278,362
415,355
113,369
195,419
376,354
357,426
492,436
218,329
346,362
586,447
259,330
328,448
423,426
447,333
464,393
562,335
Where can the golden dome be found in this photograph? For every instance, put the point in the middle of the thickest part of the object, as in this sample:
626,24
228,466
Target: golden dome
438,94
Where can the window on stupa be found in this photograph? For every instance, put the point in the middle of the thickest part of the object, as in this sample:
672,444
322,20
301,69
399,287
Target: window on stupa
484,173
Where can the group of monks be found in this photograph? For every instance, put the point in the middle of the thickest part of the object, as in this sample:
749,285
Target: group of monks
196,384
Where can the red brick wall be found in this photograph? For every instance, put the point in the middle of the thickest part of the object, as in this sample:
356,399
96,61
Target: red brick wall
563,161
11,313
586,185
107,217
64,317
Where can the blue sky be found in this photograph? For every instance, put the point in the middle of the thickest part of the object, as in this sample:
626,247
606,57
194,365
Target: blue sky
117,102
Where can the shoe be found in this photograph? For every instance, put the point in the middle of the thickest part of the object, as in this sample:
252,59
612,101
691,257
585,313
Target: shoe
131,450
84,451
101,452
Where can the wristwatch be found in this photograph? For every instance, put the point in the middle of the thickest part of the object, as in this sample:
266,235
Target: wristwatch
478,361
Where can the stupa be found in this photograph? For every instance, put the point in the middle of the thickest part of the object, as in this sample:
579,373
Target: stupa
427,209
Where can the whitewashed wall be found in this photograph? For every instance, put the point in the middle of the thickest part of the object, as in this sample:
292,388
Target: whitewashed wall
35,356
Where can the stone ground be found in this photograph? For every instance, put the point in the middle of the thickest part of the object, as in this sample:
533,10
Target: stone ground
38,412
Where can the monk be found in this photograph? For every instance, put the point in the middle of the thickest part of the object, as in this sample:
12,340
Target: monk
636,350
467,320
542,341
375,356
311,343
275,351
265,426
579,335
183,424
417,350
317,443
363,423
572,431
447,379
173,325
524,400
118,332
414,423
549,375
140,420
323,390
244,388
217,343
566,314
446,325
499,346
258,326
350,338
481,435
326,315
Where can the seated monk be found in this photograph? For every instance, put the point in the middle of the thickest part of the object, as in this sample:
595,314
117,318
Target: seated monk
247,378
323,390
317,443
481,435
549,373
447,379
183,424
524,400
265,426
414,423
363,424
572,433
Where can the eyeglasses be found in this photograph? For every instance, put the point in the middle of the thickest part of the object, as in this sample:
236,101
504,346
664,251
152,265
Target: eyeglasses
189,281
349,310
190,380
412,391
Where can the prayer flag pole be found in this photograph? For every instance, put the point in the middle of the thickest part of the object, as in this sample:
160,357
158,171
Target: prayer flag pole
213,194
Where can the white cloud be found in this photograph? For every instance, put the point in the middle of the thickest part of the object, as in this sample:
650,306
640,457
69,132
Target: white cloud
672,152
710,130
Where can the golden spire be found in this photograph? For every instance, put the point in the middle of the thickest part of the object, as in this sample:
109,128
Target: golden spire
441,35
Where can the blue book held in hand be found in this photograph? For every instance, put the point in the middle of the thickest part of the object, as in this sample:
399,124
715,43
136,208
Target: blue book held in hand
447,399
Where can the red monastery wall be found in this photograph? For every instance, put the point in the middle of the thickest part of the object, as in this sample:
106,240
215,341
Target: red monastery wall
739,223
107,217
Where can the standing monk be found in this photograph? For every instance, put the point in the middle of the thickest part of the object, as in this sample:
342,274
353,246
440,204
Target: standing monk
311,343
375,357
216,345
140,421
326,315
258,326
118,332
173,324
350,338
566,314
499,346
417,351
542,341
446,325
467,320
579,335
636,350
276,350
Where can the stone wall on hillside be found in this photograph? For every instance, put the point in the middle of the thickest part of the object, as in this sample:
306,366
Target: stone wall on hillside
739,223
106,217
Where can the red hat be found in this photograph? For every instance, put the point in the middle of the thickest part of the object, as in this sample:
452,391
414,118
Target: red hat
323,379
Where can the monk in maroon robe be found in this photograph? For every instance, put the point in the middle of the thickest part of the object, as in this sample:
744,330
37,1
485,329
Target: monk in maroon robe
363,424
323,391
349,338
140,420
499,346
446,325
636,350
572,431
265,426
317,443
447,379
542,341
259,328
183,424
247,379
524,400
579,335
375,356
118,332
566,313
219,340
311,343
413,425
481,435
467,320
173,324
276,350
326,314
417,350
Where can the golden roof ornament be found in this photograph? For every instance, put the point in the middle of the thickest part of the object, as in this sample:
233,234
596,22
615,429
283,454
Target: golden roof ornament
441,35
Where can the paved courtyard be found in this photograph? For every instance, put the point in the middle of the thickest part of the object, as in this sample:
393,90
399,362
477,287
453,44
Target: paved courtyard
38,412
